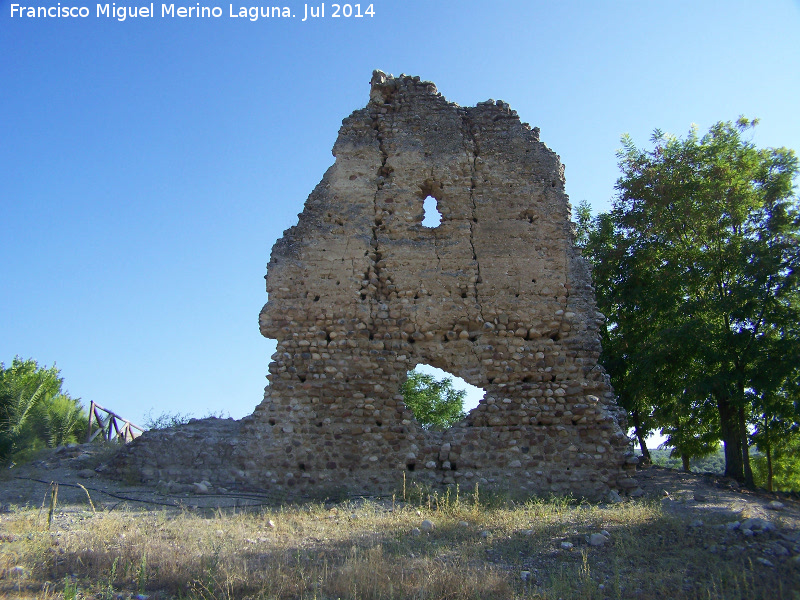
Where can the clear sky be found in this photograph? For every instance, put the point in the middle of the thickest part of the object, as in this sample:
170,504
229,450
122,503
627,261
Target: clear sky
148,166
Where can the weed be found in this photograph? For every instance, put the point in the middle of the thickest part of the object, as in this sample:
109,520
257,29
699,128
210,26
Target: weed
141,573
108,592
71,590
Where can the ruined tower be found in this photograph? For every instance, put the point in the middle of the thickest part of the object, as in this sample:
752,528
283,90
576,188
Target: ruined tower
360,291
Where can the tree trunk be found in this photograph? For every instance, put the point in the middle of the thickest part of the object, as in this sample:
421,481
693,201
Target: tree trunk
748,471
769,468
637,426
731,438
685,461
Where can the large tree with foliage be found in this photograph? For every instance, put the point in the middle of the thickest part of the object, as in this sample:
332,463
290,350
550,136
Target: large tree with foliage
34,410
435,404
697,267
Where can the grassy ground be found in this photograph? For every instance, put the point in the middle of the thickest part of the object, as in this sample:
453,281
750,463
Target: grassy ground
478,548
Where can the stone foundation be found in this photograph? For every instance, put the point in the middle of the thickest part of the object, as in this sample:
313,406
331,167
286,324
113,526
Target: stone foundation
360,292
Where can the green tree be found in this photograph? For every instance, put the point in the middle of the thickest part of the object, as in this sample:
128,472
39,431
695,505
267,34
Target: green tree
583,223
697,268
619,286
776,435
34,410
780,468
435,404
691,428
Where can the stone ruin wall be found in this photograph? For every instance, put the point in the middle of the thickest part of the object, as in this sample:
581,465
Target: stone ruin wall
360,292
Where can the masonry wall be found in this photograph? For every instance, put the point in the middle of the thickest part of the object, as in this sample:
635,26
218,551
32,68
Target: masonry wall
360,292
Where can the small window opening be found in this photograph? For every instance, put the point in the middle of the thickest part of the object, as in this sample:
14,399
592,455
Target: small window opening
432,218
437,398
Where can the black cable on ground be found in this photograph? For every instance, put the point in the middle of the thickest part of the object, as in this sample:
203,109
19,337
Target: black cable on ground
142,500
178,503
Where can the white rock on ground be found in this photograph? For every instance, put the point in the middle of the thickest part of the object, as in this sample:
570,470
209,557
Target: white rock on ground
757,524
597,539
764,562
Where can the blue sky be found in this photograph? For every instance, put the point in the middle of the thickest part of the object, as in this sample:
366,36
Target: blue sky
148,166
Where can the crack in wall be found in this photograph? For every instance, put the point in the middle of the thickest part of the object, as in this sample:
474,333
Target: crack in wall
434,229
475,151
383,172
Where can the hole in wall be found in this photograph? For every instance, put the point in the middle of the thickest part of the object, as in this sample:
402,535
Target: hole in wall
438,399
432,217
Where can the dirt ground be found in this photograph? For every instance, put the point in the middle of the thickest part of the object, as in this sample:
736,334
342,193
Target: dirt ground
711,522
79,472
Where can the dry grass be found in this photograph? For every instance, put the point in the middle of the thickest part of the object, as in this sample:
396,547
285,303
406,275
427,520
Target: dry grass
371,551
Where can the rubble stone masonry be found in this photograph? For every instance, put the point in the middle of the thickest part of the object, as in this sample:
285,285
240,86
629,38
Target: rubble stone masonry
360,292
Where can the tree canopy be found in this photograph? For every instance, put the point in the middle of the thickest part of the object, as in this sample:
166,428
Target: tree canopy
435,404
35,412
696,267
